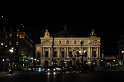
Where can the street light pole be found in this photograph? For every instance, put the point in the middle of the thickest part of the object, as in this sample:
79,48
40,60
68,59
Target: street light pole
52,51
82,42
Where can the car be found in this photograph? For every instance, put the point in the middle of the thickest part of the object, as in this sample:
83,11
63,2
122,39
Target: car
40,69
50,69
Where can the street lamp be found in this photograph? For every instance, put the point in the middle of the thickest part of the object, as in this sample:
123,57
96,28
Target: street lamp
32,63
51,58
82,55
11,50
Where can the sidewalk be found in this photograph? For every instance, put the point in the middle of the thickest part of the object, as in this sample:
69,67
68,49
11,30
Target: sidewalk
4,72
110,68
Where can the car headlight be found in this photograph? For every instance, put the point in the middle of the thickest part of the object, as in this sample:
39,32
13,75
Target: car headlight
48,69
54,69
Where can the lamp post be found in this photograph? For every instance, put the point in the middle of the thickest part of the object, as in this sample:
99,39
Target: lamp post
11,50
32,62
52,51
82,55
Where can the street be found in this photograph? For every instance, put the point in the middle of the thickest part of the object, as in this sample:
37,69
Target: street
101,76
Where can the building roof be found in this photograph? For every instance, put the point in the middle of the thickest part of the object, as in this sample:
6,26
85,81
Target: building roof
65,33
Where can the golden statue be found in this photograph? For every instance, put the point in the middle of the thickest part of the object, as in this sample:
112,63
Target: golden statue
46,34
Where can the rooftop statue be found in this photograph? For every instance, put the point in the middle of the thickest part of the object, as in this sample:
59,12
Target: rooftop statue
46,34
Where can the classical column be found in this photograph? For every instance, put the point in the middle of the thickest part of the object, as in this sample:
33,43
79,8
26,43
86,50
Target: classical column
43,59
67,52
48,58
41,56
65,55
91,55
43,52
58,54
88,53
91,52
49,52
97,54
73,52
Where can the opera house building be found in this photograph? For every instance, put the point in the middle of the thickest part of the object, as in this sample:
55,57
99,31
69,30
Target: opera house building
64,49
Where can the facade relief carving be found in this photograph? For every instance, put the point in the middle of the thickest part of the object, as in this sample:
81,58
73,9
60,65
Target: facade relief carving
94,42
46,42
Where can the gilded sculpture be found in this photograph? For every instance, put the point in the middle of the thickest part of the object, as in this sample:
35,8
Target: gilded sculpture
46,34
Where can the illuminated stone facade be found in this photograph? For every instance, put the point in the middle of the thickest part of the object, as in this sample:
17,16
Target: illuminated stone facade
68,50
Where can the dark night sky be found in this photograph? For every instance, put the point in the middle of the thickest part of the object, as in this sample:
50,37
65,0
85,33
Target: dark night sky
107,23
